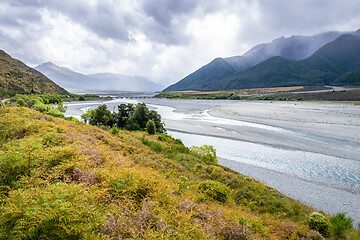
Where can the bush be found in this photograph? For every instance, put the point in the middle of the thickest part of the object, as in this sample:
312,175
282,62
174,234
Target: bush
340,224
215,190
55,112
39,106
206,153
319,223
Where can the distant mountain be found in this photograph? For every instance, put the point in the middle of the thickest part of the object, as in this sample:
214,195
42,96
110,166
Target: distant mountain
325,67
101,81
113,81
217,69
17,78
293,48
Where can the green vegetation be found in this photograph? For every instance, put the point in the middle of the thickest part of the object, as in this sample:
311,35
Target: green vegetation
129,116
340,224
319,223
344,95
17,78
69,180
41,103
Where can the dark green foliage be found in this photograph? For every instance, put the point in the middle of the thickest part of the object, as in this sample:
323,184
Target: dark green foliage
128,117
150,127
319,223
340,224
101,117
348,79
215,190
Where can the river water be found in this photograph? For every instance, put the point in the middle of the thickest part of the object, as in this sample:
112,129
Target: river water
308,151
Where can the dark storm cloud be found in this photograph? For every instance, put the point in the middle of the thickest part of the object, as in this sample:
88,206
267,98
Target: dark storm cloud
164,11
148,35
308,15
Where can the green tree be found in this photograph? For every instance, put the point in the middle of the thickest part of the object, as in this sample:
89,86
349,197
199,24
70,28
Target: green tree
101,117
150,127
141,115
156,117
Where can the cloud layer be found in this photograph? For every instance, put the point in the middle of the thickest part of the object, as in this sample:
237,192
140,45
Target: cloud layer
163,40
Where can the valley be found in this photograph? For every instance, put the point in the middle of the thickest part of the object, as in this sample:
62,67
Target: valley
295,147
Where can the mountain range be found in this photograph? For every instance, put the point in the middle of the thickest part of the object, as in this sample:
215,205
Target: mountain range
322,59
72,80
18,78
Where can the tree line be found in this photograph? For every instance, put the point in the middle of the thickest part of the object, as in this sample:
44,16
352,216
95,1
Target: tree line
128,116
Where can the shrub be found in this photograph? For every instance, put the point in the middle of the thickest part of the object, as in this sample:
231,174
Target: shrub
340,224
215,190
206,153
55,112
319,223
150,127
39,106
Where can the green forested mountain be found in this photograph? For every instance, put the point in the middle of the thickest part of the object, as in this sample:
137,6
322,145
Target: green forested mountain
325,66
275,72
205,76
17,78
348,79
338,57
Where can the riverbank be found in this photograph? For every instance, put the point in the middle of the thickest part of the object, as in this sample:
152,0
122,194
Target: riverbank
301,140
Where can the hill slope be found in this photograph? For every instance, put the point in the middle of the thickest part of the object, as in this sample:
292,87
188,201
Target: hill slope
17,78
71,80
207,75
60,178
323,67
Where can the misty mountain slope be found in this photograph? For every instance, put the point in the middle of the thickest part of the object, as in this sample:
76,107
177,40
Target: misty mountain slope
205,76
274,72
339,56
323,67
113,81
295,48
18,78
102,81
65,77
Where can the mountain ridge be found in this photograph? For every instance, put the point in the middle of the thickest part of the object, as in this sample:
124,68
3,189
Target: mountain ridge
326,74
74,81
18,78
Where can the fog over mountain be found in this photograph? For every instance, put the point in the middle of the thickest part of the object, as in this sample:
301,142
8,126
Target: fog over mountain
71,80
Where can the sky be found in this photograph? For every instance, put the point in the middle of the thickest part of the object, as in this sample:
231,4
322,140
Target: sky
162,40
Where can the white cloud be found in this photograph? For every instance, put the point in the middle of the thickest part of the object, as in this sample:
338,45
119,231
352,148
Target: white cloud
163,40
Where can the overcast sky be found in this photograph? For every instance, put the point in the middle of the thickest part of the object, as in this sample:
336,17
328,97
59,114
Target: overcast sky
162,40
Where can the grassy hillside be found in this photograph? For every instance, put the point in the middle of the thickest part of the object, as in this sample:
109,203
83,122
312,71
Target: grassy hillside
65,180
17,78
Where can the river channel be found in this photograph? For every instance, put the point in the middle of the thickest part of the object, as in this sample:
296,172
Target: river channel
308,151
